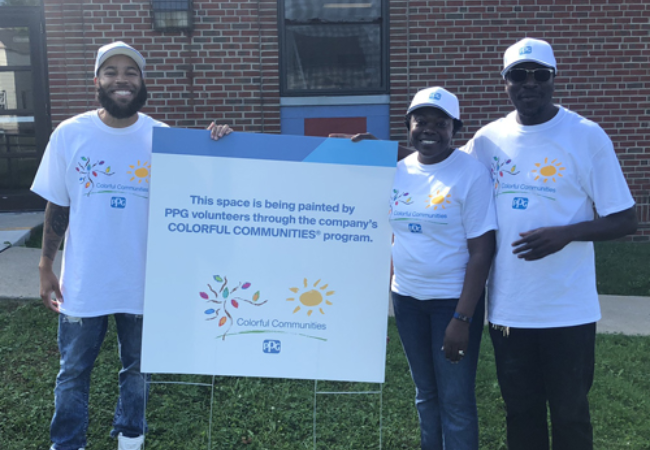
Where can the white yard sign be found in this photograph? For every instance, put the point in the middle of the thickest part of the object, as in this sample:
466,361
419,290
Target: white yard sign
268,256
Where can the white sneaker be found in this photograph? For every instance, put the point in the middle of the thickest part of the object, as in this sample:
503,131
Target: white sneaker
125,443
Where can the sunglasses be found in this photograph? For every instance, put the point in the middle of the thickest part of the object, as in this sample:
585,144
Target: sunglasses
521,75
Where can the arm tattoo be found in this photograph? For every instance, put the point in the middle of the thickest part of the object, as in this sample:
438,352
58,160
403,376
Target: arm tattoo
60,218
56,222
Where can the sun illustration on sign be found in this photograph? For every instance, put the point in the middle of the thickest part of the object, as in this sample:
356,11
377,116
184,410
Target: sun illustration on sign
438,200
549,171
141,172
311,298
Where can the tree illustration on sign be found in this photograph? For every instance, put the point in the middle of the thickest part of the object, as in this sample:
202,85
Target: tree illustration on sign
225,300
89,172
499,169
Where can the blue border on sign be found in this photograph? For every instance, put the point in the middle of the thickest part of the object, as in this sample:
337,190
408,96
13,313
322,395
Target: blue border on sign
178,141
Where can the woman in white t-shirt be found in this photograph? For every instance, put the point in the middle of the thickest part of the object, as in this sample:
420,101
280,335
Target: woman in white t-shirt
443,220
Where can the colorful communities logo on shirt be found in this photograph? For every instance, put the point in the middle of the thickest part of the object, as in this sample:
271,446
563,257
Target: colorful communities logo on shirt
94,179
399,197
549,170
226,306
141,172
534,183
499,169
439,199
90,173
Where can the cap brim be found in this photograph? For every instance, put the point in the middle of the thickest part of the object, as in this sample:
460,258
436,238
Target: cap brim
520,61
120,51
430,105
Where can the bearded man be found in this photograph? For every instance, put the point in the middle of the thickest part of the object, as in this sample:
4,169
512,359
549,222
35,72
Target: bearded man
95,176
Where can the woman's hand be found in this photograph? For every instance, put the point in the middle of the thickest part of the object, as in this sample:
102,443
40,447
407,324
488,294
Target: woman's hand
218,131
456,340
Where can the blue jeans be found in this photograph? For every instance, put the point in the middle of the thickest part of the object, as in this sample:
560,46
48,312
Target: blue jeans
540,365
445,397
79,342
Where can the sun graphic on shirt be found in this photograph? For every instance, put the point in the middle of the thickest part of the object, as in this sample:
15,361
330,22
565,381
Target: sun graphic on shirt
311,298
549,170
140,172
438,200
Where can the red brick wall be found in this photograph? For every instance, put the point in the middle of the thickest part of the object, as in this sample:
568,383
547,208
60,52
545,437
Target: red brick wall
227,69
603,53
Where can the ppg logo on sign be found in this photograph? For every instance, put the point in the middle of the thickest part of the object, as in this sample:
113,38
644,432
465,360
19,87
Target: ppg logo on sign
526,50
271,346
118,202
415,228
436,96
519,203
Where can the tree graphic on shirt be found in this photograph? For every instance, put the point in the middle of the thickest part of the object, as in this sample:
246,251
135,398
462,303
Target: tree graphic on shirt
499,169
89,172
398,197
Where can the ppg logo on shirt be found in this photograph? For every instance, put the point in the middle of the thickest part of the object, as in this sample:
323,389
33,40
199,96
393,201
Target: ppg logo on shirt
519,203
271,346
526,50
118,202
415,228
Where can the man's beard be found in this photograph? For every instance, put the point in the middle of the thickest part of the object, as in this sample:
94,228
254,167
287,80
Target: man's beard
122,111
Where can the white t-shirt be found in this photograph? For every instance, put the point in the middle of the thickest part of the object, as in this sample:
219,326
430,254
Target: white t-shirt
435,208
550,174
102,174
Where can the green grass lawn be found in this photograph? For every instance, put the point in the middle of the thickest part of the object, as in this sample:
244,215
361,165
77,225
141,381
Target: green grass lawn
277,414
623,268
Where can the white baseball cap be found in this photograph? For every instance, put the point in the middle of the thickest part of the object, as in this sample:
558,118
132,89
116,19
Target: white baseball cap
529,50
436,97
118,48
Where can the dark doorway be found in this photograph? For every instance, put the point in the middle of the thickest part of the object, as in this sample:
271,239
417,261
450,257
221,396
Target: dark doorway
25,124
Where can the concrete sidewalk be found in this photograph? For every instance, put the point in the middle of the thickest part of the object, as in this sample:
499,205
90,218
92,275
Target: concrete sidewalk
19,278
19,272
15,228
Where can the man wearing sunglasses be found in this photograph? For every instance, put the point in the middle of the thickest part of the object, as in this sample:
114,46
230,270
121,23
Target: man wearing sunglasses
558,187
